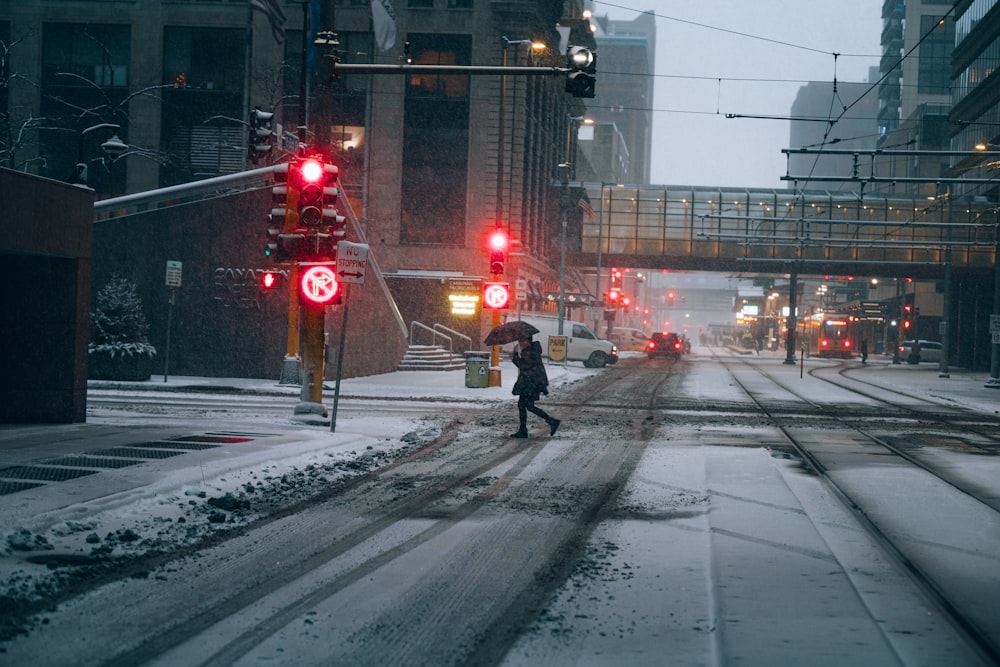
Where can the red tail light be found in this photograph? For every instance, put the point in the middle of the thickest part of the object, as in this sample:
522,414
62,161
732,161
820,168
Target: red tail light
652,345
847,343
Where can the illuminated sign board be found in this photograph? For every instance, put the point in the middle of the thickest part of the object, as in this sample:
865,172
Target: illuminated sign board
464,295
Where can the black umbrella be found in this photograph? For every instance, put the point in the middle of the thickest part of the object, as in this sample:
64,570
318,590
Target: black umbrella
509,332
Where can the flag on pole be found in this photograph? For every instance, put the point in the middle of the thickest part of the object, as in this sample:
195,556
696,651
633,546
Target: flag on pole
585,205
384,23
275,17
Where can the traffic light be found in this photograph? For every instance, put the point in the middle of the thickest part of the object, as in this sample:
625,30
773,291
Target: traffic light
318,218
318,192
613,297
671,295
907,318
304,223
498,251
278,218
261,138
582,78
270,280
616,279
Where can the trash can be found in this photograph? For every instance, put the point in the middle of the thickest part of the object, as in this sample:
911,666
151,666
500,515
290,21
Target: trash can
477,369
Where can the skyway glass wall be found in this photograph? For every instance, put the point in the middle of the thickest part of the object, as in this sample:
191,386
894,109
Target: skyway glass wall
778,225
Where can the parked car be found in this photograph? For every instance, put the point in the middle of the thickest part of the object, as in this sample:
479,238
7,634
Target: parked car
665,345
631,340
928,350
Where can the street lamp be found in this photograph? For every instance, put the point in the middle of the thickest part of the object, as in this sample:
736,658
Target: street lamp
79,175
535,47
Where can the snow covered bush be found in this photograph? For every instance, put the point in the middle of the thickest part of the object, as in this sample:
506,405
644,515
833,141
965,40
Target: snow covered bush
119,334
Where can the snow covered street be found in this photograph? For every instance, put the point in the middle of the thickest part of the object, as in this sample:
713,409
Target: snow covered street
666,523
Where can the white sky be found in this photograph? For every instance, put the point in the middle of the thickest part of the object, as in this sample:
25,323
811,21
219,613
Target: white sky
704,72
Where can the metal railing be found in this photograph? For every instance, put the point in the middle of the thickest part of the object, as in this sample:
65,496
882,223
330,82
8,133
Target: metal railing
457,334
434,334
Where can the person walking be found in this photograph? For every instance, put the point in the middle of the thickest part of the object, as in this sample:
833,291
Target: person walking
532,382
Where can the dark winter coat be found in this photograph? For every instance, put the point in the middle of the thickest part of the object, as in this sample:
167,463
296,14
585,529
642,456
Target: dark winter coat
532,380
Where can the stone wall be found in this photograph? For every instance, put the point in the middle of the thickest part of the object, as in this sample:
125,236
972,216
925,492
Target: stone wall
45,263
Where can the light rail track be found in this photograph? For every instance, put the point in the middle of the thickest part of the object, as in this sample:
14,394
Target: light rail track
833,452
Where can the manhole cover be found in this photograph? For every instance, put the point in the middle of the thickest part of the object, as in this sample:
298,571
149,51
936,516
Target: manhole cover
45,474
89,462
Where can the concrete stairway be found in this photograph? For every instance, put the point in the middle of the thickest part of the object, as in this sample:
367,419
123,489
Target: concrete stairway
431,358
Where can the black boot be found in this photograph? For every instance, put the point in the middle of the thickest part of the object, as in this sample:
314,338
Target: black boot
521,433
553,425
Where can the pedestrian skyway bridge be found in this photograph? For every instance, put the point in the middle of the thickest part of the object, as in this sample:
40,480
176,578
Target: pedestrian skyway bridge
772,230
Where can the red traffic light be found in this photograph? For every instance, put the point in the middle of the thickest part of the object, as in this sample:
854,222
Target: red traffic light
311,171
498,241
670,296
270,280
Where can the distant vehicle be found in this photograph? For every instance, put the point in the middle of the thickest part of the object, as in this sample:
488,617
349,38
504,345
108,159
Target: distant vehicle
929,350
582,344
631,340
665,345
835,337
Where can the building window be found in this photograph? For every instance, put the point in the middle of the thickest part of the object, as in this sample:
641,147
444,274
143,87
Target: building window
934,65
202,128
436,143
85,76
350,95
428,4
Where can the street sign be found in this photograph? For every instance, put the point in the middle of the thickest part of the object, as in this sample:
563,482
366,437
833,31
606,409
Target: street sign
557,348
520,289
994,324
352,262
496,296
319,284
174,270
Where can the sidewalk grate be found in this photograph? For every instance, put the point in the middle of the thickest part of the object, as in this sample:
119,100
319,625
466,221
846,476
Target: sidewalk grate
13,487
187,446
89,461
222,439
43,473
133,452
